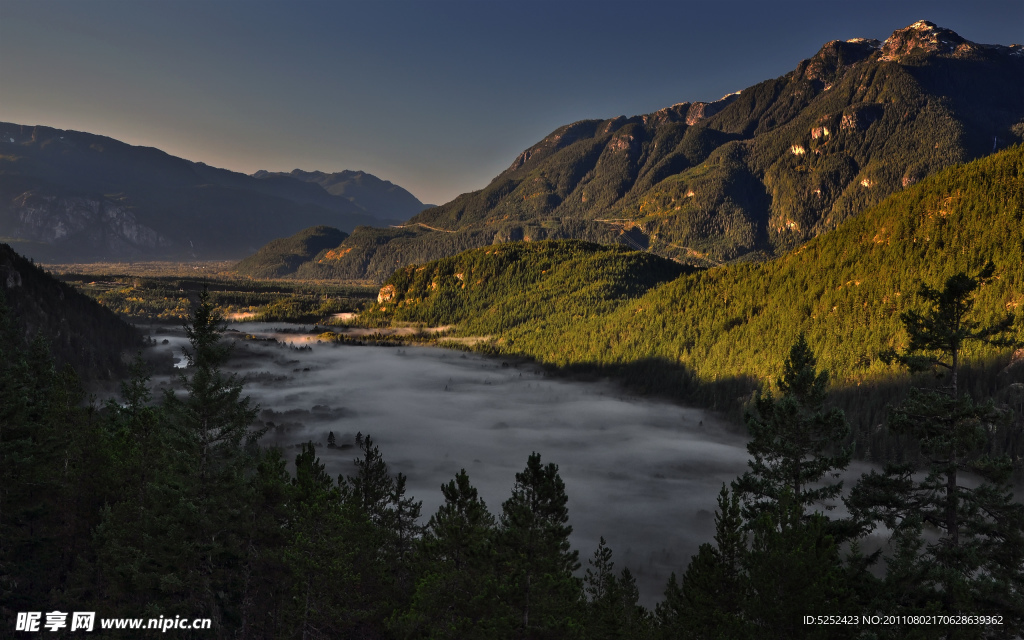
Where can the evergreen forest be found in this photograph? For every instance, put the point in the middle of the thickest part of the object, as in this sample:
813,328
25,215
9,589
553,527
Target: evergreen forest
168,506
713,336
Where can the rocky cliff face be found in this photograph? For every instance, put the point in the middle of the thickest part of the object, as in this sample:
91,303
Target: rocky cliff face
923,37
104,224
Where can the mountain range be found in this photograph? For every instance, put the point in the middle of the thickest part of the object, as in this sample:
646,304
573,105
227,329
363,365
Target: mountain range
363,189
73,196
709,335
746,177
749,176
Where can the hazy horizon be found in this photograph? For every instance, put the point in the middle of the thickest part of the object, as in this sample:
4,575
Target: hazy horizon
437,97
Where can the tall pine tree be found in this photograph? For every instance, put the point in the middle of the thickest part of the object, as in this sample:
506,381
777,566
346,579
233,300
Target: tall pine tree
544,598
189,539
974,562
613,609
712,598
392,532
795,443
455,595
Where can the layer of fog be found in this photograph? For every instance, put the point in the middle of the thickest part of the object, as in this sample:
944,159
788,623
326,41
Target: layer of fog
641,472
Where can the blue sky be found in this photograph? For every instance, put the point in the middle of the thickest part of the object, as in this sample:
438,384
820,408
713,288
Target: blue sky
437,96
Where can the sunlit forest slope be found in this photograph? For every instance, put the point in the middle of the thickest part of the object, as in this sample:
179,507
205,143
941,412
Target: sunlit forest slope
844,290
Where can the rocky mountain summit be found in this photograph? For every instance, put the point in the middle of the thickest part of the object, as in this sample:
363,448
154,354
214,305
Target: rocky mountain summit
925,37
745,177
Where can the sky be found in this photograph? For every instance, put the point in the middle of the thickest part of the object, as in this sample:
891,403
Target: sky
436,96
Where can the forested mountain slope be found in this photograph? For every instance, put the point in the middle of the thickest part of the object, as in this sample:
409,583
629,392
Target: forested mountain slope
845,289
78,330
283,256
753,174
505,286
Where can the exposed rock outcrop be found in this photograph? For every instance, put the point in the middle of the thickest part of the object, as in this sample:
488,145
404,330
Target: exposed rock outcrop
97,223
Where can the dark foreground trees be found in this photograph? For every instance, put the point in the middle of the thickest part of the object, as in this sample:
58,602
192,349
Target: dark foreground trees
773,561
510,577
456,587
51,480
174,540
150,507
796,447
167,506
960,533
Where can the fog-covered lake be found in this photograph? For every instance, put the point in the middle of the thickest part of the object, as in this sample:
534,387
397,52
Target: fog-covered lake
643,473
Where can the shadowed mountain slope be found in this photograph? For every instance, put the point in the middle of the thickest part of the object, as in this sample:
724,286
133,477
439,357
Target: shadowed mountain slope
70,196
80,331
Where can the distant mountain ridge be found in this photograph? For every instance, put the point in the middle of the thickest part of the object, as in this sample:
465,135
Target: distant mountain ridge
749,176
69,195
365,190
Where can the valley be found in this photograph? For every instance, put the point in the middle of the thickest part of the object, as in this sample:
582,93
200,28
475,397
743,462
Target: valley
643,473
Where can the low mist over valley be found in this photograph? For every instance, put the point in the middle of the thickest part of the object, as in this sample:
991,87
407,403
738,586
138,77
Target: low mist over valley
640,472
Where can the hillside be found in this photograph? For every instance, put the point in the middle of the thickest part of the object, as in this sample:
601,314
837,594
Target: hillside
282,257
506,286
73,196
845,289
80,331
751,175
